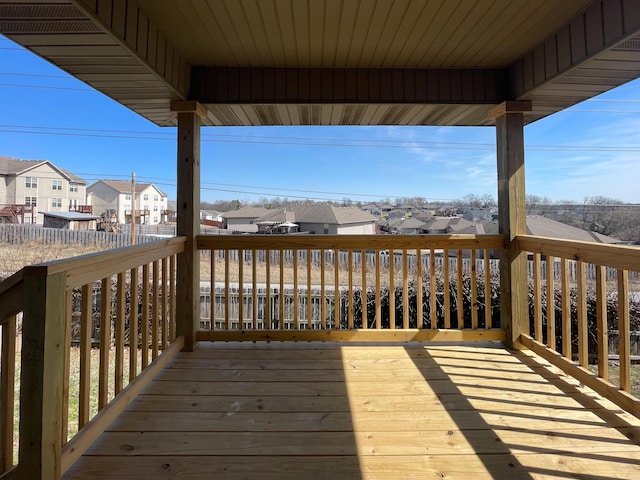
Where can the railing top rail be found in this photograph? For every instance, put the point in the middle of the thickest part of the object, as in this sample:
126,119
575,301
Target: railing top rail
346,242
11,282
616,256
11,296
95,266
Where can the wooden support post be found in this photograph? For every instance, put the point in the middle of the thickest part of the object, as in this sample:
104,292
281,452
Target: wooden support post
42,373
188,262
514,312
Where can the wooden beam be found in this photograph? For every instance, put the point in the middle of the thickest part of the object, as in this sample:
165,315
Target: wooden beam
514,312
357,335
189,106
347,85
188,262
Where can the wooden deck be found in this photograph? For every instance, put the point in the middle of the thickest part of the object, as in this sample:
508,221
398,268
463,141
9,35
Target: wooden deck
312,410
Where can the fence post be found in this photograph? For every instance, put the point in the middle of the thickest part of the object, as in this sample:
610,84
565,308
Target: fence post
42,373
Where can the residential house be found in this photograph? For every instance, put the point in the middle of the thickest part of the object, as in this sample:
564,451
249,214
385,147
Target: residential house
114,197
243,220
211,218
322,219
30,187
480,214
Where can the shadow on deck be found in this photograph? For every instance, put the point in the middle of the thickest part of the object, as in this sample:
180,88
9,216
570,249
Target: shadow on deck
323,410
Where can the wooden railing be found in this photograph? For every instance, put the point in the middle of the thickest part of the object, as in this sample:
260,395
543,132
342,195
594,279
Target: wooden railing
571,315
349,287
118,307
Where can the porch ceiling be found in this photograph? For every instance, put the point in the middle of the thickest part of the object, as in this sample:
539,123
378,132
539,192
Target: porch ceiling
338,62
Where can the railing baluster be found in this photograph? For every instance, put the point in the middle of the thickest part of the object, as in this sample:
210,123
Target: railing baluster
67,366
350,287
7,392
212,291
363,290
86,324
282,292
120,312
459,289
309,310
296,302
172,294
240,289
392,290
405,290
268,315
474,291
447,299
254,286
433,294
551,303
155,310
537,301
336,292
624,330
164,318
566,310
144,344
227,296
133,324
378,303
487,289
583,334
105,342
419,296
323,300
601,317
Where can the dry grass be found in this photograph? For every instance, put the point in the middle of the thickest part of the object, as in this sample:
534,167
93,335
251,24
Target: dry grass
614,376
74,386
15,257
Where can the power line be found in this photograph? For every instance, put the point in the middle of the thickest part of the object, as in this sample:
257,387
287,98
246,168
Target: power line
303,141
47,87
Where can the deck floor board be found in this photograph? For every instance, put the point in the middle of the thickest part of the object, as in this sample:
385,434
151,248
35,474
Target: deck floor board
281,410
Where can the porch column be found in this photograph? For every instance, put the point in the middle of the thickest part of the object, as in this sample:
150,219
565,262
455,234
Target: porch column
188,223
514,304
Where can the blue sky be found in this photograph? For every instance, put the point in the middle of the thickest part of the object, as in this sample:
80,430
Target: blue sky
591,149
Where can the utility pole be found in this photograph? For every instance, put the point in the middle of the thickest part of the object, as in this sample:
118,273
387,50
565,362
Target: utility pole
133,208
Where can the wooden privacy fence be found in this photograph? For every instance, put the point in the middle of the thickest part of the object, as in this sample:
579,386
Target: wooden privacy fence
572,319
19,234
287,285
57,423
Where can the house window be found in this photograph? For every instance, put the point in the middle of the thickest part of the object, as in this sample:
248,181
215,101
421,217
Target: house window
73,187
155,208
156,198
56,184
156,220
127,196
145,197
56,202
31,201
31,182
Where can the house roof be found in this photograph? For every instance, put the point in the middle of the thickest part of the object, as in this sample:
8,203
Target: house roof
71,215
410,223
16,166
320,213
336,62
332,215
246,212
124,186
545,227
